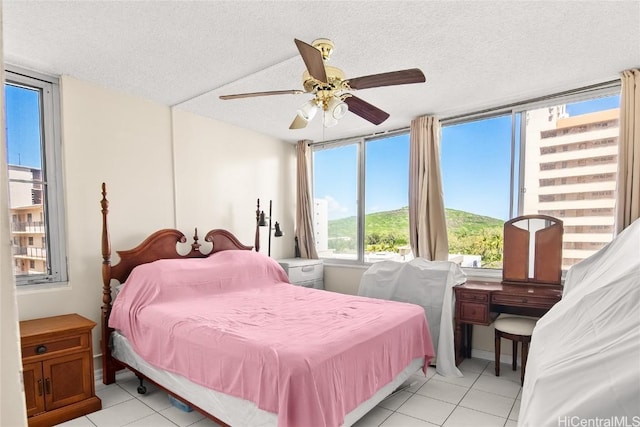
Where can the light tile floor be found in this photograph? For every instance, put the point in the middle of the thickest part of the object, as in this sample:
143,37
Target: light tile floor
479,399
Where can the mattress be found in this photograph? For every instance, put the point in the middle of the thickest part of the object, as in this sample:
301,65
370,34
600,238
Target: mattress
233,410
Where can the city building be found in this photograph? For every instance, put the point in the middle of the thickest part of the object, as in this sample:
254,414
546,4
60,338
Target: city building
571,175
28,234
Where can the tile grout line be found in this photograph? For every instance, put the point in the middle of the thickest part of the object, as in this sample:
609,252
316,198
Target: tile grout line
463,396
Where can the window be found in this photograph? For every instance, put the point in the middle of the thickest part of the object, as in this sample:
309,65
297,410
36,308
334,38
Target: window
361,199
558,160
556,156
35,176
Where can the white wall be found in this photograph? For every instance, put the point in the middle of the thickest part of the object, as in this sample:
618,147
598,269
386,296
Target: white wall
220,172
123,141
13,410
130,143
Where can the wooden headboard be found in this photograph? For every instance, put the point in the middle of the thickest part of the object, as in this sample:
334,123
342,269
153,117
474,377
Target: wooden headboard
163,244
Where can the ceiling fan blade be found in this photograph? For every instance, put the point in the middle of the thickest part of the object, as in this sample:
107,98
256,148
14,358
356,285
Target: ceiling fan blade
365,110
312,58
402,77
272,92
298,123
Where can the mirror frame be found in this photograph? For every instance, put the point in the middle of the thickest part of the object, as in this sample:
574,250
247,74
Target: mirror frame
547,253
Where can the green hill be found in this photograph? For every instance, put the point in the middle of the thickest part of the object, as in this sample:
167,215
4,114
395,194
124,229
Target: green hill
386,231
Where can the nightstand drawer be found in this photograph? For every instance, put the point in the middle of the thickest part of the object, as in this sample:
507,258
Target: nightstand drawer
302,270
55,345
316,284
305,273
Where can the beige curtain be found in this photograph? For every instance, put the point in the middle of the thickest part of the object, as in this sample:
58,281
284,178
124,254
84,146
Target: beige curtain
304,203
628,192
427,223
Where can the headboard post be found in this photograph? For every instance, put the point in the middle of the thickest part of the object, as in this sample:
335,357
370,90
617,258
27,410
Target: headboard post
160,245
106,251
107,364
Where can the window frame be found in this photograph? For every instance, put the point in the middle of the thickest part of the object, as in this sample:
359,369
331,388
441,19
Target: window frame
361,153
517,111
51,151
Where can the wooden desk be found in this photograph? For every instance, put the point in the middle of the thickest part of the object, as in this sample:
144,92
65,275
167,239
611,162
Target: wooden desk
479,303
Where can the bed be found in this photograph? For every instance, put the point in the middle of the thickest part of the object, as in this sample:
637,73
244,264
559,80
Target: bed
225,333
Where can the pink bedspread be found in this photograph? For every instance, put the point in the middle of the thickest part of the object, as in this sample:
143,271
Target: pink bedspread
233,323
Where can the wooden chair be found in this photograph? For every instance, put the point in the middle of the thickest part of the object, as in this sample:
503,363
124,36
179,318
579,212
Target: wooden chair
517,329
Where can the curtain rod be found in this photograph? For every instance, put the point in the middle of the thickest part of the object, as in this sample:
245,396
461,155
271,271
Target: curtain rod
486,112
508,107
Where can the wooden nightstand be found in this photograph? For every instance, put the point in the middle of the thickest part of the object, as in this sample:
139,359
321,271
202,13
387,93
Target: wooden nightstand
57,360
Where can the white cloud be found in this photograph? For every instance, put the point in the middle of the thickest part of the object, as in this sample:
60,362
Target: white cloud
333,206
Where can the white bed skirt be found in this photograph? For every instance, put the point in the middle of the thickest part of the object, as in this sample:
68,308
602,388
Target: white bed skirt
232,410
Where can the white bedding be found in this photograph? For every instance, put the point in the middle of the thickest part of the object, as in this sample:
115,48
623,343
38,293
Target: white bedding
232,410
425,283
584,359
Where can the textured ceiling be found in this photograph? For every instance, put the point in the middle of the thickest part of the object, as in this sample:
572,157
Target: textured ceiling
475,54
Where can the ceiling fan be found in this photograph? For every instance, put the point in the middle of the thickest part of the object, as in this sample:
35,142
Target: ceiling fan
331,89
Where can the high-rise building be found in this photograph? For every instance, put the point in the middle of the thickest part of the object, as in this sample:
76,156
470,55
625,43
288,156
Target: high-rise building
571,165
321,226
28,233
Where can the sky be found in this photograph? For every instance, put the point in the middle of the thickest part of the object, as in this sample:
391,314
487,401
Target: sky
23,129
475,161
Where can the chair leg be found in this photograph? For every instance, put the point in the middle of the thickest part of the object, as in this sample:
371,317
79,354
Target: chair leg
525,355
514,359
497,345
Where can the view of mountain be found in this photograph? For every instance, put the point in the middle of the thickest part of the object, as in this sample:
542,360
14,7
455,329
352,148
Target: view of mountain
386,231
397,221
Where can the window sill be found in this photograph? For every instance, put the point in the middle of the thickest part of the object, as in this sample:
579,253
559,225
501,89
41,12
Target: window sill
327,262
37,288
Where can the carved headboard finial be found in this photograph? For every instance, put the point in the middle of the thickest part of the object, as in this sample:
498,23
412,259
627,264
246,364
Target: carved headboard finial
195,246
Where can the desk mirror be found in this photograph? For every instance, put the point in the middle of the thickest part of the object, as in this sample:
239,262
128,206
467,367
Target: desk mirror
532,249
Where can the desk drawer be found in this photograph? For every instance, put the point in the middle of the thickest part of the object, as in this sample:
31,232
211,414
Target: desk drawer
524,300
471,312
472,296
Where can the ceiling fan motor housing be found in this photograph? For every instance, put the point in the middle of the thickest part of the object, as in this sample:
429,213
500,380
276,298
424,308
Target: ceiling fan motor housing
325,46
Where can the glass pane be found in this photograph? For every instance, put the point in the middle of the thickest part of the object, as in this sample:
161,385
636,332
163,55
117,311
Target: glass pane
476,174
26,180
386,221
571,159
336,202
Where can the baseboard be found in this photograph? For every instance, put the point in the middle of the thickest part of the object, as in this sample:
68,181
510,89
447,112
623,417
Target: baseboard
97,368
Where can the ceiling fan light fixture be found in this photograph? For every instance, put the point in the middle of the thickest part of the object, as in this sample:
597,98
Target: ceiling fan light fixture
337,107
308,110
329,120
